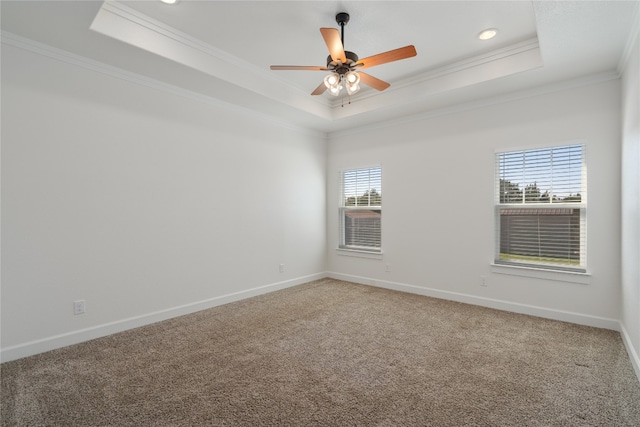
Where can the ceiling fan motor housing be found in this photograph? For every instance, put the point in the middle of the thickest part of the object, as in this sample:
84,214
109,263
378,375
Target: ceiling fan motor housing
352,59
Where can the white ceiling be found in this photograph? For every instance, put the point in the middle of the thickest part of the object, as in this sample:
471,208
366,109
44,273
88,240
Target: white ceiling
221,50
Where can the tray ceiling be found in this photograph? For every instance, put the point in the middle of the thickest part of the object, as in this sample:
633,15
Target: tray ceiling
223,49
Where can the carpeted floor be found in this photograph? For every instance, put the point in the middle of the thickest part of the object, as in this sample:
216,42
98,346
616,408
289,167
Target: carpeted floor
336,354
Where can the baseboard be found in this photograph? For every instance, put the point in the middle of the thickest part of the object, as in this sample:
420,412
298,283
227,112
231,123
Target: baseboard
565,316
75,337
58,341
631,351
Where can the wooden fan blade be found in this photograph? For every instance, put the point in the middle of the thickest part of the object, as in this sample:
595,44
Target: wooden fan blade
320,89
299,67
334,44
374,82
390,56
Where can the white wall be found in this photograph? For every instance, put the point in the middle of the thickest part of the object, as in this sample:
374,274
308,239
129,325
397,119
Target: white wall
438,221
144,204
631,205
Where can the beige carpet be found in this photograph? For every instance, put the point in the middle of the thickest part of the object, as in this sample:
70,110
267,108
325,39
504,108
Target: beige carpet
332,353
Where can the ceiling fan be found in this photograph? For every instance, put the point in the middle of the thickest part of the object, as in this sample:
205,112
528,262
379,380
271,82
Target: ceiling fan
345,66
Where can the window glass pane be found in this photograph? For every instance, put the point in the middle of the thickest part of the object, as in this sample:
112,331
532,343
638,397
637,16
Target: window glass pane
553,233
360,211
362,187
550,175
541,236
362,228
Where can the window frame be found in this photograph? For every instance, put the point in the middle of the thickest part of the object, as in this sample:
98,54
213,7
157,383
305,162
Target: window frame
529,206
358,250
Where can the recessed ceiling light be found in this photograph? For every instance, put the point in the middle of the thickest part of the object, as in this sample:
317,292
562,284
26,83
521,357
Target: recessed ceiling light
169,1
487,34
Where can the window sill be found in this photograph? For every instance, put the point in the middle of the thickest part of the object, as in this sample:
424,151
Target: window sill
541,273
359,254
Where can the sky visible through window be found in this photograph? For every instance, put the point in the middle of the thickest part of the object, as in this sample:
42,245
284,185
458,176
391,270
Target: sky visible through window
553,173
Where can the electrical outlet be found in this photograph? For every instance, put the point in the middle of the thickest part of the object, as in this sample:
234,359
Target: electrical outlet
78,307
387,267
281,268
483,281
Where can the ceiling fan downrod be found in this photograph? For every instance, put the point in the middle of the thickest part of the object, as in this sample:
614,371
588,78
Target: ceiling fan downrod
342,19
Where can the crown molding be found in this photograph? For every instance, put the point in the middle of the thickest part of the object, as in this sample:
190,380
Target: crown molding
482,70
133,27
23,43
42,49
632,39
517,58
453,68
130,26
149,23
159,27
483,103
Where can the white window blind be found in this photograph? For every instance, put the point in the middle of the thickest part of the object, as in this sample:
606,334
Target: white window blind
361,209
541,207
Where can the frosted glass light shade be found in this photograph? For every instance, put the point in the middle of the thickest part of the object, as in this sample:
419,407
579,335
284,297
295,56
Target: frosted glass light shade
332,80
352,80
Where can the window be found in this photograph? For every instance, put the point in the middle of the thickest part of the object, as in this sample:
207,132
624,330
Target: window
361,209
541,208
